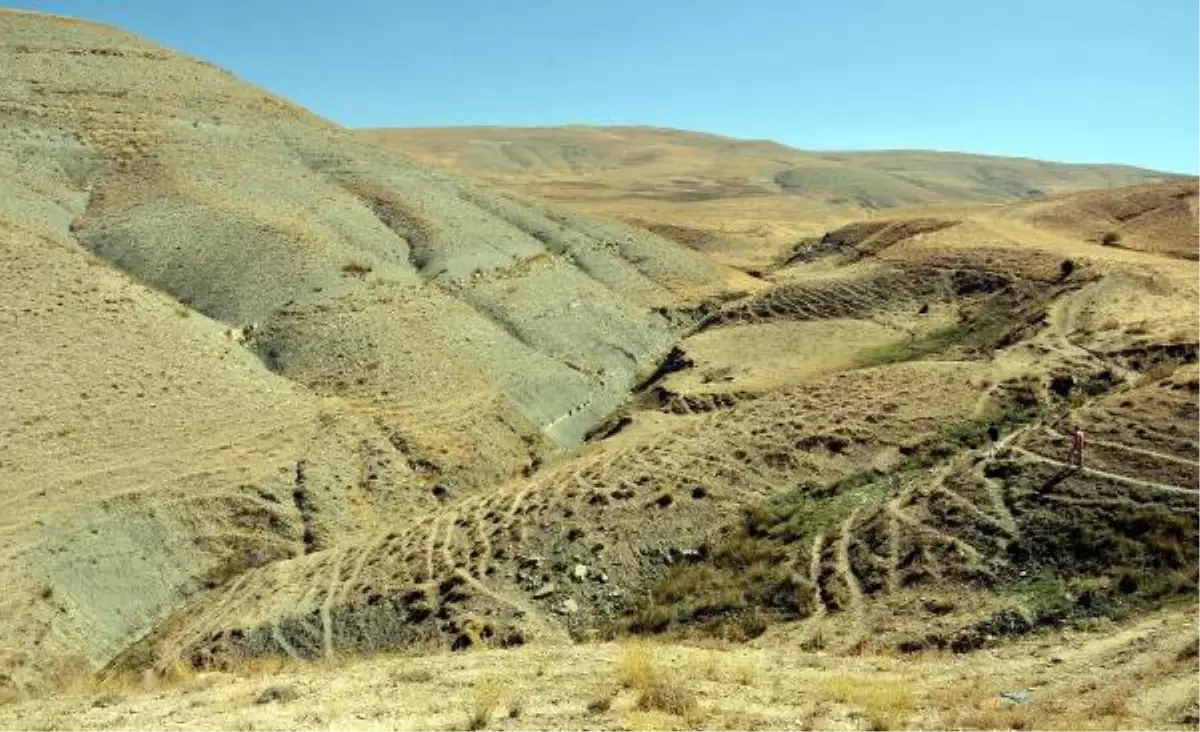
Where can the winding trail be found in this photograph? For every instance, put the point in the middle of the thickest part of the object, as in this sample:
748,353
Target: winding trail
844,567
327,605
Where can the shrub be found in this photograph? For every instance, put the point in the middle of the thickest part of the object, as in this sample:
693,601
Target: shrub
277,693
657,690
1111,239
668,694
599,705
356,269
1190,651
487,698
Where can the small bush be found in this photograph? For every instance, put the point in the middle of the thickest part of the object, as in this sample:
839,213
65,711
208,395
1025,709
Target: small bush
277,693
657,690
599,705
635,666
667,694
1190,651
516,708
1114,702
356,269
487,698
1111,239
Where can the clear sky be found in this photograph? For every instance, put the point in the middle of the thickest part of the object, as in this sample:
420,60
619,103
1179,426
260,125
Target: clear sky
1073,80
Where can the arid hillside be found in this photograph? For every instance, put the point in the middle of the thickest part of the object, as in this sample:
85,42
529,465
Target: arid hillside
738,200
301,433
235,333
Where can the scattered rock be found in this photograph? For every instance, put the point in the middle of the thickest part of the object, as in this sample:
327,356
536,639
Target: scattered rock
544,591
529,562
568,607
939,606
1016,697
579,573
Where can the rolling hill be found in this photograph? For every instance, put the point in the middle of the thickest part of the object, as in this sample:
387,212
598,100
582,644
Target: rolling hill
286,409
738,200
234,332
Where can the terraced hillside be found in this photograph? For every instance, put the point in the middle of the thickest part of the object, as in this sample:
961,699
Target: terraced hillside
740,201
235,333
848,494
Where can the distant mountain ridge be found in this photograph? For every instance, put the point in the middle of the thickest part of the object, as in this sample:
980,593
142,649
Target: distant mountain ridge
681,165
747,199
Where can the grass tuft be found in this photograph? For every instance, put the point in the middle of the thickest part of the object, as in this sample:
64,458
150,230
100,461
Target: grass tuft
486,700
884,704
657,690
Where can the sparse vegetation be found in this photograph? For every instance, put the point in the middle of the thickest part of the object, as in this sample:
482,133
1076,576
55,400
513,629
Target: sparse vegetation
747,579
277,693
412,676
600,705
1111,239
885,704
401,477
485,700
1190,651
657,690
357,269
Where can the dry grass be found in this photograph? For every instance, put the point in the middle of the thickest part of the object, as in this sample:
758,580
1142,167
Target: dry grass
1114,702
996,714
485,700
746,674
635,665
412,676
885,704
1190,651
657,689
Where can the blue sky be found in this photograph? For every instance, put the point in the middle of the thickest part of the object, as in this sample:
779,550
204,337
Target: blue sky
1073,80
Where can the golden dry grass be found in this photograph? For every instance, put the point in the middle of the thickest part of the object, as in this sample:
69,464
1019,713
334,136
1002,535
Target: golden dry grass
884,703
657,690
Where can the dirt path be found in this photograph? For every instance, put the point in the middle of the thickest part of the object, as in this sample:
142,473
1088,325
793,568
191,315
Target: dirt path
1111,476
1131,448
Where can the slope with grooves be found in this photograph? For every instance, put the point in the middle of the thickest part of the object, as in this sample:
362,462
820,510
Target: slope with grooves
139,437
1155,218
972,535
620,510
497,568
